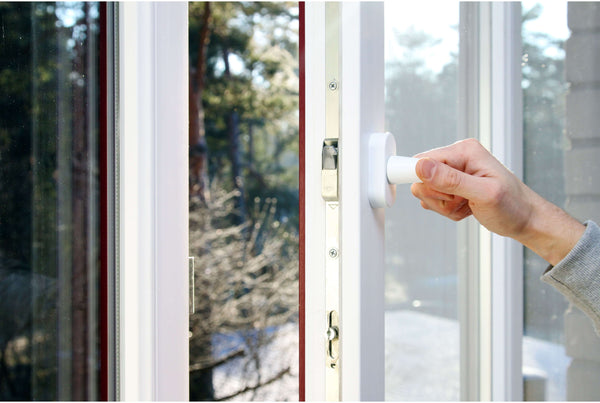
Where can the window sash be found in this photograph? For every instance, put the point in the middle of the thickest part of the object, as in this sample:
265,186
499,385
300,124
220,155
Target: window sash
153,212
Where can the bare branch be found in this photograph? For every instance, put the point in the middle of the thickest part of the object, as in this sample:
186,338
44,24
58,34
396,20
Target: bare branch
277,376
218,363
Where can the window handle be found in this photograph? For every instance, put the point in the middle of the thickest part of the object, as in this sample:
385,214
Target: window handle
402,170
386,170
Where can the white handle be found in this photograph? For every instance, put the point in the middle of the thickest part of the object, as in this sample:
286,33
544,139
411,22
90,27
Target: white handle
386,170
402,170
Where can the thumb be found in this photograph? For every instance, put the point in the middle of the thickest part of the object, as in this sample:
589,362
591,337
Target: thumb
446,179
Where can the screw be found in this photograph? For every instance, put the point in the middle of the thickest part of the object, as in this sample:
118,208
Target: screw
333,253
333,85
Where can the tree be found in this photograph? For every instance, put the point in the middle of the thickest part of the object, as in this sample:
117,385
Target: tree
246,288
197,133
248,94
244,205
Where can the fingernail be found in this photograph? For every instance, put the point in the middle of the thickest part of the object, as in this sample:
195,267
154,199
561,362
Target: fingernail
427,168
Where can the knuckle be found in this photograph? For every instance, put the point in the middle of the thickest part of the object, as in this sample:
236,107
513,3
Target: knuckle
467,143
446,208
471,142
470,146
461,213
452,180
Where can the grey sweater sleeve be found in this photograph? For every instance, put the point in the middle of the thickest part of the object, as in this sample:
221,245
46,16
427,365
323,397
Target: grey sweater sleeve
577,276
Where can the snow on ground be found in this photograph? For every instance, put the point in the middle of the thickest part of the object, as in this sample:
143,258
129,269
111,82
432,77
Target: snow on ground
422,359
281,353
422,362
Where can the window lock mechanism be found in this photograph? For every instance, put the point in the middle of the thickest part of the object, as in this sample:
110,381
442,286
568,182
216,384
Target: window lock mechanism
329,170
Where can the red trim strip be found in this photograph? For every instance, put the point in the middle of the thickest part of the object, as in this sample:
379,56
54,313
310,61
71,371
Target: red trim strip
104,194
302,215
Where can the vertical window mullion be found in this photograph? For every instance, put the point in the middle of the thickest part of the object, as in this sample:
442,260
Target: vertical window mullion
468,230
507,254
153,204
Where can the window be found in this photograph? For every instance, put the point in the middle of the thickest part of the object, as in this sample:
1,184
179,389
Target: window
50,202
244,202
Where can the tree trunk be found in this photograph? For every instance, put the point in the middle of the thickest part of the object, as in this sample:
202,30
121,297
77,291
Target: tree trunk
233,135
197,133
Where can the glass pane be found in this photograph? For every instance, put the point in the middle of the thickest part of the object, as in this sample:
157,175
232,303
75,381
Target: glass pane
244,200
49,238
421,318
560,94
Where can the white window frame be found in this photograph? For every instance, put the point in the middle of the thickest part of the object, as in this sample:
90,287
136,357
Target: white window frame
362,239
152,245
490,277
507,254
362,243
314,206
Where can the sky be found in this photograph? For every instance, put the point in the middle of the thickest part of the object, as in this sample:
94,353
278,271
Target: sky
439,18
400,15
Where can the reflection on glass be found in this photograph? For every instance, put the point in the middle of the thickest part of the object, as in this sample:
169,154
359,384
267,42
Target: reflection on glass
49,240
422,330
244,200
559,90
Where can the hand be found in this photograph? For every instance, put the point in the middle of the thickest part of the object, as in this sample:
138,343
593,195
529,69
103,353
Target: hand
464,179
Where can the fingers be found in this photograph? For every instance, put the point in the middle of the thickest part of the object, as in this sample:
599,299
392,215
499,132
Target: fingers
425,192
463,179
453,211
453,207
465,155
454,155
445,179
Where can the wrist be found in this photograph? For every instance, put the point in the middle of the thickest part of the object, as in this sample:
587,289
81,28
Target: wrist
550,231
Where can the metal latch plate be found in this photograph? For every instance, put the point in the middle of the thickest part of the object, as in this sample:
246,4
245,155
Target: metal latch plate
329,170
